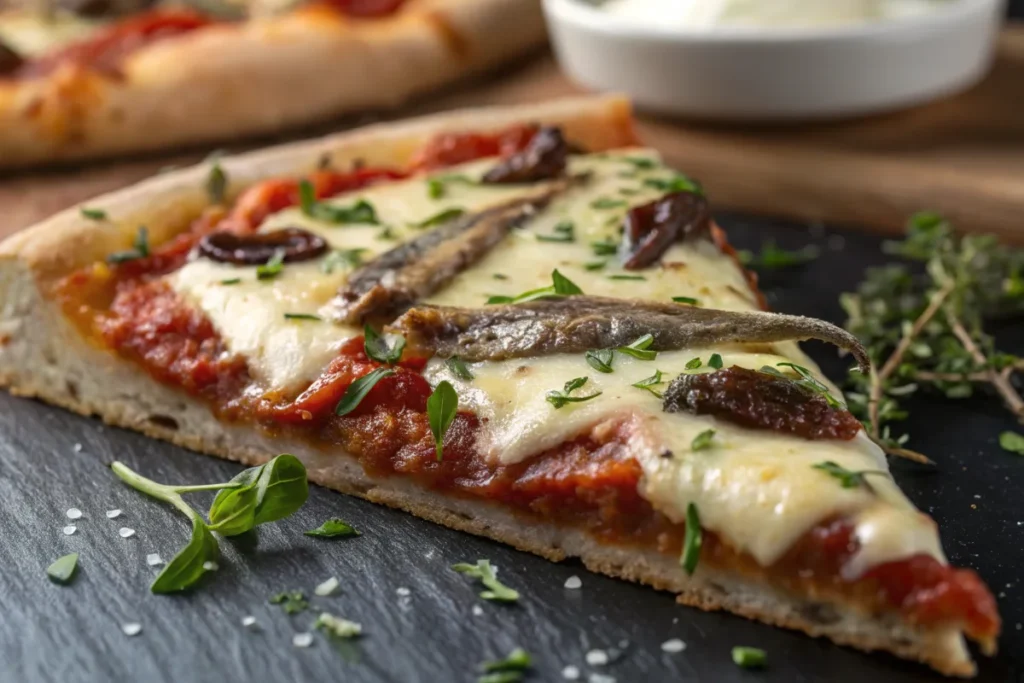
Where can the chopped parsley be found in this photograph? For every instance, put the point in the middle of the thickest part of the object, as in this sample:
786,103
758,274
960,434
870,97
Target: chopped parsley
685,300
807,381
358,390
63,568
600,359
231,281
703,441
216,183
333,528
648,383
848,479
93,214
508,670
342,258
749,657
595,265
387,233
626,277
560,398
272,268
459,368
301,316
643,163
442,405
1012,442
292,602
715,361
360,212
693,363
560,286
678,183
640,348
140,248
440,217
564,232
605,248
772,257
487,574
693,539
607,203
437,187
500,276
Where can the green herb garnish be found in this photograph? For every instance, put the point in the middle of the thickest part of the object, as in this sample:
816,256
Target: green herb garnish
595,265
301,316
342,258
216,183
438,187
749,657
807,381
703,441
440,217
93,214
564,232
685,300
499,276
848,479
626,277
640,348
607,203
255,496
377,348
140,248
360,212
560,286
292,602
459,368
358,390
693,539
715,361
600,359
649,383
1012,442
337,627
605,248
643,163
488,576
333,528
272,268
231,281
678,183
693,363
442,406
63,568
508,670
560,398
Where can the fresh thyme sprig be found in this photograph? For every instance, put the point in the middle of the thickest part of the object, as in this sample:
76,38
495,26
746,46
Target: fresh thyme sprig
927,329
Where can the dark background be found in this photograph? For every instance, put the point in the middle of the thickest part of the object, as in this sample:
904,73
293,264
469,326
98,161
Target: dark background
71,634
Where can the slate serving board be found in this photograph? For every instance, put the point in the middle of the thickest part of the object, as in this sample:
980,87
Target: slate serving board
71,634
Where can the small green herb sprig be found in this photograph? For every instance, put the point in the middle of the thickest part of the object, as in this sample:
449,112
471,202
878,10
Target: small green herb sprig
926,330
488,575
255,496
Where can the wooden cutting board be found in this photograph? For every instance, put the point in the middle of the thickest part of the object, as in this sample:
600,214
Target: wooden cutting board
963,156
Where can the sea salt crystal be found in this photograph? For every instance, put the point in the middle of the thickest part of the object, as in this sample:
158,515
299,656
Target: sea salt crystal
302,639
673,645
327,587
78,448
600,678
248,621
70,529
111,514
210,566
573,582
597,658
74,513
478,611
153,559
571,673
131,629
404,592
125,532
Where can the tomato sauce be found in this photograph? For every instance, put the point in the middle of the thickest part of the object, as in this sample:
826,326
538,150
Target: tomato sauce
590,483
105,51
364,8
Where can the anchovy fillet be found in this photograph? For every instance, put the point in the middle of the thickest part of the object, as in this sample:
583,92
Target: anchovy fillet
399,277
578,323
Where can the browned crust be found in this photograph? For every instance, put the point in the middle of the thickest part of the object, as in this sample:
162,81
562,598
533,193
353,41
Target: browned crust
226,81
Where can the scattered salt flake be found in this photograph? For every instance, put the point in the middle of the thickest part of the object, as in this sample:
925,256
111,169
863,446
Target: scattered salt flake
153,559
597,658
327,587
74,513
478,611
600,678
571,673
673,645
573,582
131,629
112,514
302,639
70,529
248,621
78,448
125,532
404,592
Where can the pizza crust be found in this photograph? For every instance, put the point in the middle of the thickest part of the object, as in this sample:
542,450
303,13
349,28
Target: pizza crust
260,76
43,356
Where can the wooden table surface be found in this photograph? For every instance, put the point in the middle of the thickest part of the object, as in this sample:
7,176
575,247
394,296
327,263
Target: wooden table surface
963,156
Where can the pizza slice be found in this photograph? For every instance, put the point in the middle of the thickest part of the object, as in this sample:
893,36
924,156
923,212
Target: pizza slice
515,322
103,77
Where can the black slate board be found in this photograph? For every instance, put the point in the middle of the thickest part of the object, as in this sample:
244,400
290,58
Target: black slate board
70,634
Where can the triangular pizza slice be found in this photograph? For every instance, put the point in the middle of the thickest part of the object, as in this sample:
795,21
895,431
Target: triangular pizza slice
516,322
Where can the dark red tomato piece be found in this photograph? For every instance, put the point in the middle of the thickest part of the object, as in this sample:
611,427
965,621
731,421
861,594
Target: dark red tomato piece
107,49
449,149
365,8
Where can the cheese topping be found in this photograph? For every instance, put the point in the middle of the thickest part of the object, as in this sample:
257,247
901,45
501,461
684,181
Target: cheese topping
32,35
756,488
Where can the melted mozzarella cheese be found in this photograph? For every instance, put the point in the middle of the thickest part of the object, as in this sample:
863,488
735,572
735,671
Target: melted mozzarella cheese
32,35
756,488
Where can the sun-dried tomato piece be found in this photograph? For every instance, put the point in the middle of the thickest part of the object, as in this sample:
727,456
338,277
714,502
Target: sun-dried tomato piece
761,401
543,158
652,228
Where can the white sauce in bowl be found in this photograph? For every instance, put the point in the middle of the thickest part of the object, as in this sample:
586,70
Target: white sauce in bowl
711,14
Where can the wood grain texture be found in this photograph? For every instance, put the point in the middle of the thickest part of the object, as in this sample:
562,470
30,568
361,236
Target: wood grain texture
72,634
963,156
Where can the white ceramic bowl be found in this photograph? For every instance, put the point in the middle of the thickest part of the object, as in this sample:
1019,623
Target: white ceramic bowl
746,74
